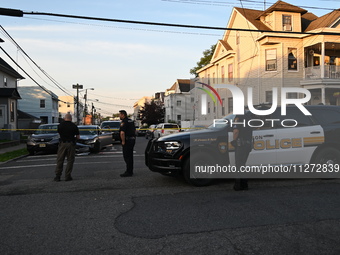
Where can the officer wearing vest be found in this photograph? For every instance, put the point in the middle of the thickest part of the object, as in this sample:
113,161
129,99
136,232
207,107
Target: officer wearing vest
127,132
243,140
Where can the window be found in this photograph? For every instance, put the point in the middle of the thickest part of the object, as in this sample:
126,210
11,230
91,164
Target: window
1,114
208,107
230,72
292,95
179,117
179,103
213,78
269,96
292,60
222,73
230,104
287,22
271,60
12,111
192,99
223,107
42,103
5,81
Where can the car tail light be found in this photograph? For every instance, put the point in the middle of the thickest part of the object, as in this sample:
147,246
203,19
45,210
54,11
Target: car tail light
162,131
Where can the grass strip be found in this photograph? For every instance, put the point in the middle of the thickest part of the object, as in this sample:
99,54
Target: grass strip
12,154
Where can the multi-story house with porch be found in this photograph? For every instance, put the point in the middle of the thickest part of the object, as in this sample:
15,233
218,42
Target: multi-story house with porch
287,47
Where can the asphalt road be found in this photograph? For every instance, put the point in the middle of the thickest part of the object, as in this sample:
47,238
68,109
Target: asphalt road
101,213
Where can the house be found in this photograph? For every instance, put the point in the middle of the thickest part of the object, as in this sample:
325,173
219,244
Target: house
289,47
39,102
178,102
68,104
137,107
27,122
9,97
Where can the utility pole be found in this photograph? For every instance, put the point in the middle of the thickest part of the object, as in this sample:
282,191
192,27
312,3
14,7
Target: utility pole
77,87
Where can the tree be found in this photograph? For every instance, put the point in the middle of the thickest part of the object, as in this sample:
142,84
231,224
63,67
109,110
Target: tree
152,113
207,55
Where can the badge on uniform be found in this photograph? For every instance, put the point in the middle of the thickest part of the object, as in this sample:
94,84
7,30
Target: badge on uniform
122,124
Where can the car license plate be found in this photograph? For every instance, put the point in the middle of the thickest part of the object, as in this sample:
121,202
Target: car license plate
171,132
42,145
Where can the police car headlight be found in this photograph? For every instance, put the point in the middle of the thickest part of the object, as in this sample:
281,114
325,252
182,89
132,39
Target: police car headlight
172,145
168,147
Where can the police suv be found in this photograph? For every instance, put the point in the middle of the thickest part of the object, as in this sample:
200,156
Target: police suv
290,139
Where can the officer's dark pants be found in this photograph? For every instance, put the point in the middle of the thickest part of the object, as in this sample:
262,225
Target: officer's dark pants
241,156
65,150
128,154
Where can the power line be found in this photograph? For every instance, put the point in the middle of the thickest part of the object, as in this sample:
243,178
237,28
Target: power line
44,72
248,2
19,13
47,91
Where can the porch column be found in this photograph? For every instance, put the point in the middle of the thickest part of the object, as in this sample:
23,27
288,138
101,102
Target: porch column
323,96
322,64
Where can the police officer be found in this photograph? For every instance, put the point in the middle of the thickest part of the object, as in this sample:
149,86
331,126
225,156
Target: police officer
68,132
127,132
242,141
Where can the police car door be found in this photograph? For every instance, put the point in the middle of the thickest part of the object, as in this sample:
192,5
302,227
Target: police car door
295,145
264,135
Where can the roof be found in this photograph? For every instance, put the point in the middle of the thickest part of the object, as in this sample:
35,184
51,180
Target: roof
251,16
25,115
225,45
184,85
10,93
283,6
306,19
324,21
6,68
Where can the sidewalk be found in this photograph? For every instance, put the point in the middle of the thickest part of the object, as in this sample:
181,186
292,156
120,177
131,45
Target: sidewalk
13,148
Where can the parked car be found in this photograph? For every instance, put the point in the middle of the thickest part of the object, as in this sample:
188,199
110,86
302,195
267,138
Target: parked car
111,126
45,138
149,132
141,131
92,136
164,129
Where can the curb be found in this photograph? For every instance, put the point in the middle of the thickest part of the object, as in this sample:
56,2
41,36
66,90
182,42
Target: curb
13,159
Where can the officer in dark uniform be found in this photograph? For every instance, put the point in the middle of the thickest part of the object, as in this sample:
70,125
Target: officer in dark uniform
127,132
69,133
243,140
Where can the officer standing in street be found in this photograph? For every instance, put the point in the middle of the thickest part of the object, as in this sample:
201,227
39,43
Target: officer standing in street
69,133
127,132
242,141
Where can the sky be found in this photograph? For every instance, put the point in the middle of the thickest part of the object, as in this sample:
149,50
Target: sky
122,62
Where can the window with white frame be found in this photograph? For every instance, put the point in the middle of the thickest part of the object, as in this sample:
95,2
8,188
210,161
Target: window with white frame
287,22
179,103
230,104
42,103
269,96
271,60
230,72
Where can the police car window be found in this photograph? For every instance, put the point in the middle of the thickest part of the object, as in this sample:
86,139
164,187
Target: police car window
325,116
293,117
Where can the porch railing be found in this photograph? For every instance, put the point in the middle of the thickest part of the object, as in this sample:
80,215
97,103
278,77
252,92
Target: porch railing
314,72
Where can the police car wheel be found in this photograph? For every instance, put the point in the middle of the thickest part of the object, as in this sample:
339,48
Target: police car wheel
328,156
199,159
